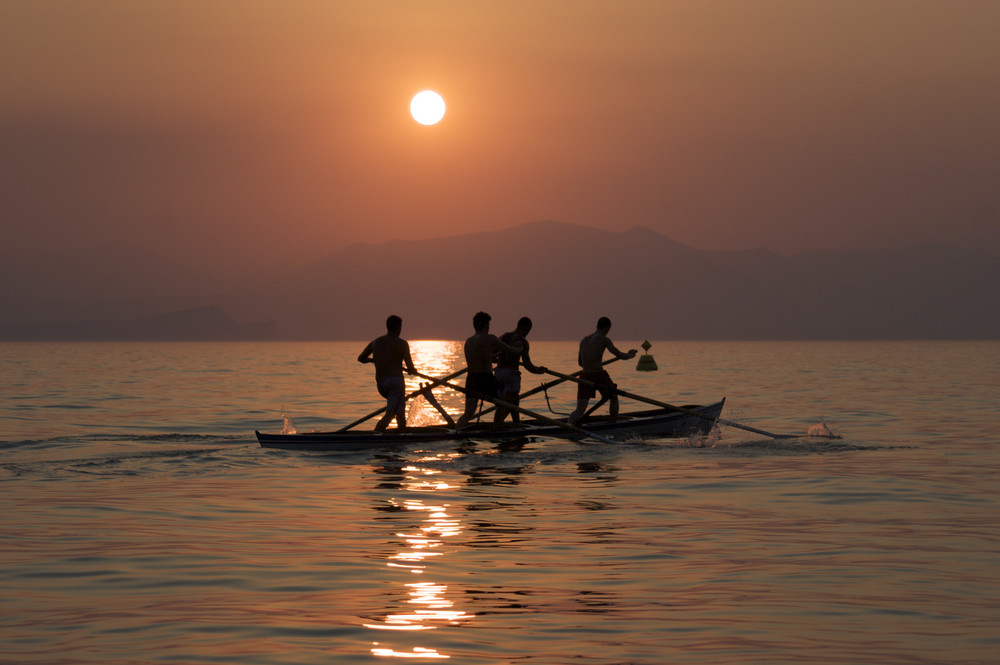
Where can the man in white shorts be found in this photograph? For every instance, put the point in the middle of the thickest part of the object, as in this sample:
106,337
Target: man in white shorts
389,353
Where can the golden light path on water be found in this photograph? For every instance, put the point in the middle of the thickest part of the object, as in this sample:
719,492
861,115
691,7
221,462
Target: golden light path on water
430,606
435,358
428,600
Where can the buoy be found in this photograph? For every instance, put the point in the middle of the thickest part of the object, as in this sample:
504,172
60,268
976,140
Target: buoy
646,362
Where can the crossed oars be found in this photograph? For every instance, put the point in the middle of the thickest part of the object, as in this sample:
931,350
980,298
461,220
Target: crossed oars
445,381
545,386
422,390
514,407
425,390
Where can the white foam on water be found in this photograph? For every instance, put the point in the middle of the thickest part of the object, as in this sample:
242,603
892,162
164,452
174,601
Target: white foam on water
822,429
420,413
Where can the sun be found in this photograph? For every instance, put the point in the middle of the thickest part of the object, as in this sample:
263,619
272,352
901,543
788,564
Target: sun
427,107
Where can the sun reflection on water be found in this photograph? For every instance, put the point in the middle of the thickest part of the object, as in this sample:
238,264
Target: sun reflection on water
418,652
428,604
440,359
437,358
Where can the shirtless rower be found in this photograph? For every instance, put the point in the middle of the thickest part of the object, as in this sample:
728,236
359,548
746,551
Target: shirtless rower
590,359
508,373
479,352
389,353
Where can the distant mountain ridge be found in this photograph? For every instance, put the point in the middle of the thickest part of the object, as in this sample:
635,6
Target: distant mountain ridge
199,324
565,276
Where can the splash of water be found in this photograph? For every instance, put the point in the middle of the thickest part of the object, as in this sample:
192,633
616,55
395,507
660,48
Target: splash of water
709,440
822,429
714,436
420,413
288,427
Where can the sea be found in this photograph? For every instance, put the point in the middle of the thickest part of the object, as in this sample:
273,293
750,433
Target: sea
141,522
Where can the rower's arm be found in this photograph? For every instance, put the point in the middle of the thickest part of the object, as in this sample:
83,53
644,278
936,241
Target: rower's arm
620,355
528,365
408,361
366,355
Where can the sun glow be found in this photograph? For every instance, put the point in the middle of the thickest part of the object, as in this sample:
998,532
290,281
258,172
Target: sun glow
427,107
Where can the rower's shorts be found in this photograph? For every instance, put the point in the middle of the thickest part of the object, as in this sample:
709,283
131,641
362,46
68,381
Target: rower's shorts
605,385
483,384
393,389
508,380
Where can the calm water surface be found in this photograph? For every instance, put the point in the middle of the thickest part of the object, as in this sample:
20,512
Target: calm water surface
141,522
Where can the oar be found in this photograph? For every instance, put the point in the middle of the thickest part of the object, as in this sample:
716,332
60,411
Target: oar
681,409
432,400
545,386
513,407
410,396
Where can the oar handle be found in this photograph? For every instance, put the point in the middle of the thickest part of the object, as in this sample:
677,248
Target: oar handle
519,409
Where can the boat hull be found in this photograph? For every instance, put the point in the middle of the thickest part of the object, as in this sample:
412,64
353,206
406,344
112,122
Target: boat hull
652,424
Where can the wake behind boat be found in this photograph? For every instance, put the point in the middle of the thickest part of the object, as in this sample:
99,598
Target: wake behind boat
657,423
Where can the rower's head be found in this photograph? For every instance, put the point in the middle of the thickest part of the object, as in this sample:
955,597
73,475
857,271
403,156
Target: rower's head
481,322
524,326
394,324
604,324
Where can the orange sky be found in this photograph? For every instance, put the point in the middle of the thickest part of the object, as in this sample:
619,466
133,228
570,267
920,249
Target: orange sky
230,129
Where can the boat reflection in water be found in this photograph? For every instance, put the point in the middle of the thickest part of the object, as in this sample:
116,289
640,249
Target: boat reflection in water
429,605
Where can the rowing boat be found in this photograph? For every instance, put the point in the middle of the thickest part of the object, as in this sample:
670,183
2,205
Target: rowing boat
650,424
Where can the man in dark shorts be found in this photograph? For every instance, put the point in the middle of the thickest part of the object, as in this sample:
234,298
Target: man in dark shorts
508,373
590,358
389,353
479,352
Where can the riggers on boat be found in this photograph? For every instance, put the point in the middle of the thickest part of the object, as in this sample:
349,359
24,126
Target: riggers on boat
650,424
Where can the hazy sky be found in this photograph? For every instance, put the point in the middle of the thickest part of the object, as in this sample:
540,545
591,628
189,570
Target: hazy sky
243,128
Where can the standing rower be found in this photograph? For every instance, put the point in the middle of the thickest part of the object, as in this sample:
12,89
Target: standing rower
389,353
507,372
590,359
479,352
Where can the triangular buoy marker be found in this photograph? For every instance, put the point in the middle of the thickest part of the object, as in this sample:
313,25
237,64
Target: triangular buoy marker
646,362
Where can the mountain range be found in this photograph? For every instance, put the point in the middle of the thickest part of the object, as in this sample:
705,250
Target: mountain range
563,275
